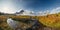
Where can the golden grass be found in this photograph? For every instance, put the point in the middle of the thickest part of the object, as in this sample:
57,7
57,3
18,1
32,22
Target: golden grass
52,20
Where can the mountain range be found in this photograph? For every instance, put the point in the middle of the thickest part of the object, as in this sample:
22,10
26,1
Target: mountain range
32,13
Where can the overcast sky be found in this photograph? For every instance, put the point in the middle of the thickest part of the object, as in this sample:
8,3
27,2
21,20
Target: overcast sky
11,6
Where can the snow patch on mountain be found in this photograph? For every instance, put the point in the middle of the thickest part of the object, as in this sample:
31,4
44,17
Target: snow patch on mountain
25,12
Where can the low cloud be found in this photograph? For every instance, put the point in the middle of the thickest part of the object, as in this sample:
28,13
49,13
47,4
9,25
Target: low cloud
32,13
55,10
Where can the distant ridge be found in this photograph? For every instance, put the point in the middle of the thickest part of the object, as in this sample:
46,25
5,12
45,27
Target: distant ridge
25,12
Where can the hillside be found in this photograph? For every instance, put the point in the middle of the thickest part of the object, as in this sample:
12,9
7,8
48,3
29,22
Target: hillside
52,20
3,19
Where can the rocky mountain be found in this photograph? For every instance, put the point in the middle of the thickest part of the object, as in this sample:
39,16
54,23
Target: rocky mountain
25,12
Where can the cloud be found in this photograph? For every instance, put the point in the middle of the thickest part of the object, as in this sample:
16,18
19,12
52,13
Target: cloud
55,10
7,6
43,13
10,8
32,13
7,10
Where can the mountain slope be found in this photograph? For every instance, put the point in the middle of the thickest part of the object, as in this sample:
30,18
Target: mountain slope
52,20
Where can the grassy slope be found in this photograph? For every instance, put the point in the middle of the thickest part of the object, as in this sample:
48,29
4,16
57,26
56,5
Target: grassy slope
3,19
52,20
